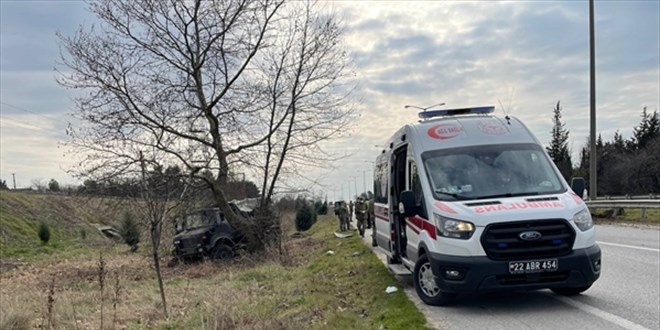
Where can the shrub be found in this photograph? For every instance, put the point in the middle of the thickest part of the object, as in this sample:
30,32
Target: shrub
305,217
53,185
15,321
44,232
129,231
321,207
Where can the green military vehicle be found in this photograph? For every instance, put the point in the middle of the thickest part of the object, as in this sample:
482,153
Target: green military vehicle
206,233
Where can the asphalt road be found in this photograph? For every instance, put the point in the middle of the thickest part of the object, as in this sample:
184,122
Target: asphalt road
627,295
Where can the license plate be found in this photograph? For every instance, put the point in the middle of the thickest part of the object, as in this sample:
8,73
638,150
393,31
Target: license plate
533,266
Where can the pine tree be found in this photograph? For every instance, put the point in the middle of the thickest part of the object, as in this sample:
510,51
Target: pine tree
582,170
558,148
44,232
130,232
648,129
305,217
618,143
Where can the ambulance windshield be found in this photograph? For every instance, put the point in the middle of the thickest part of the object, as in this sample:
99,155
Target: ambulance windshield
492,171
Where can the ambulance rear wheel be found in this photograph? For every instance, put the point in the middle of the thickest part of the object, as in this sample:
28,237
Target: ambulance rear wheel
426,286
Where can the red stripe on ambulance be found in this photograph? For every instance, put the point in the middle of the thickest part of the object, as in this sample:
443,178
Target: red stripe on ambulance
444,207
418,224
517,206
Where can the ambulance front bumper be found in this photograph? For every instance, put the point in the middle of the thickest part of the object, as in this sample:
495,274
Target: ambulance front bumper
456,274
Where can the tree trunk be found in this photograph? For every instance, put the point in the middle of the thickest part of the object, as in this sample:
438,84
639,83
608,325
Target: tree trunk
154,246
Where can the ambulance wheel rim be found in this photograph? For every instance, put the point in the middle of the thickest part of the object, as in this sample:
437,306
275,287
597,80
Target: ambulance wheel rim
426,281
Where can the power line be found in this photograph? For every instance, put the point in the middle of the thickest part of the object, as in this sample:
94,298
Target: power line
33,112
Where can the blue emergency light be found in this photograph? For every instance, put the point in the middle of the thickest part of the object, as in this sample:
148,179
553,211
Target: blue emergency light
454,112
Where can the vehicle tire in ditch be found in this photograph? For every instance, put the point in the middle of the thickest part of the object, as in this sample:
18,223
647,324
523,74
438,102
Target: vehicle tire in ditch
570,291
426,286
222,252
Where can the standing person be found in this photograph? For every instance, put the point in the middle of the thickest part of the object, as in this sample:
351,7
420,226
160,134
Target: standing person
372,215
342,214
350,211
361,214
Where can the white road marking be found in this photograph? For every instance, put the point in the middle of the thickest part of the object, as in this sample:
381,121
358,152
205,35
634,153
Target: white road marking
600,313
629,246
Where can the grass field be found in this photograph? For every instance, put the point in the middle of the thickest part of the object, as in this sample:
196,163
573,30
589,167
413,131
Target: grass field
629,216
304,288
70,219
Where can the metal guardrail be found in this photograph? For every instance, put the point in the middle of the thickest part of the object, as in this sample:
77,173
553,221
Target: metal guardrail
625,203
621,197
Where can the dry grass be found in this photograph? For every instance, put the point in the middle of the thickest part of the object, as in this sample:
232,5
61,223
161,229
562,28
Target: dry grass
301,289
628,216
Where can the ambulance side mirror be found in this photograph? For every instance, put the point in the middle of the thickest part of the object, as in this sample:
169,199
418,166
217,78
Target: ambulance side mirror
407,206
578,186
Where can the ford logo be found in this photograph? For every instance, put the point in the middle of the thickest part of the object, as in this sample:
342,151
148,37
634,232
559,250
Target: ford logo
529,235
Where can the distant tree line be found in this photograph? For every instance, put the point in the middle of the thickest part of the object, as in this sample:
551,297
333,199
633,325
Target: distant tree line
624,166
163,180
175,181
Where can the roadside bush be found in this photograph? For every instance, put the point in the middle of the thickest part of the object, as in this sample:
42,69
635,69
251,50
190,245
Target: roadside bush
321,207
15,321
44,232
129,231
305,217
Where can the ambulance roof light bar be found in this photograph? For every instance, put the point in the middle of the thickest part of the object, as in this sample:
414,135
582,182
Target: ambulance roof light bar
423,109
453,112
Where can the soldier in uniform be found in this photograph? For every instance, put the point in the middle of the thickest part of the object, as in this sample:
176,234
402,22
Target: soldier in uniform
342,214
361,209
372,215
350,211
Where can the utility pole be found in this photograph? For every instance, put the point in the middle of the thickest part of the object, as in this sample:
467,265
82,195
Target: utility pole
13,175
355,183
592,106
349,189
372,169
364,182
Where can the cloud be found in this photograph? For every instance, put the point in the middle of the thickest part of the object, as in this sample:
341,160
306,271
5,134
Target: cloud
36,91
32,148
483,53
526,55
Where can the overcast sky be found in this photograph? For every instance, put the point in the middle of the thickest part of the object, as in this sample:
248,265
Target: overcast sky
526,55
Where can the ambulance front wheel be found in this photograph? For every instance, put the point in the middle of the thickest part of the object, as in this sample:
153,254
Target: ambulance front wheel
426,286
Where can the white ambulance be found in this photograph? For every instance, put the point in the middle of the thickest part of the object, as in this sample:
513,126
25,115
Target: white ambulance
470,202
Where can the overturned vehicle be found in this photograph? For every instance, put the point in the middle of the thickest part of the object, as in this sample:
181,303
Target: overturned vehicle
207,233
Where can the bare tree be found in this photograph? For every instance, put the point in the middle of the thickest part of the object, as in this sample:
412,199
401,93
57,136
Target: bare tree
159,197
38,184
228,86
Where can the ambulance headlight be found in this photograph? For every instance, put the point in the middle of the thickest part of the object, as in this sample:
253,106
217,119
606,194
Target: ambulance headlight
583,220
453,228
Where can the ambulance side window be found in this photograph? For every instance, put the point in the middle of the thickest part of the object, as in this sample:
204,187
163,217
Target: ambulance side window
416,186
380,183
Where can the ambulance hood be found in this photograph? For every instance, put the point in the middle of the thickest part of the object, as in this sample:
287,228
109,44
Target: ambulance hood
484,212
